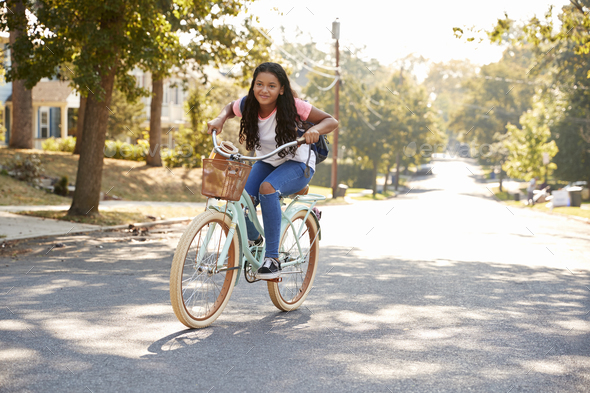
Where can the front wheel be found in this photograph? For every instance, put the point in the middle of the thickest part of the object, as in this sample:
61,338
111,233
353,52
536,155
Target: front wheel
297,279
200,284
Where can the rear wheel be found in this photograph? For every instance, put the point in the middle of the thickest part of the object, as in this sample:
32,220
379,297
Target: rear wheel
200,287
297,279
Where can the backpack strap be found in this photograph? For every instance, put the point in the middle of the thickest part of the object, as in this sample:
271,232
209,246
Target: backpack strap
243,105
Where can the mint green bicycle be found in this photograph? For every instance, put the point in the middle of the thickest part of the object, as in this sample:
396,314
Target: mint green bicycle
214,250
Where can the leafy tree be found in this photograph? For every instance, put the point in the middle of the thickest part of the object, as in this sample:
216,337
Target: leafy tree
214,41
102,41
498,95
15,21
205,105
563,52
125,117
526,145
446,82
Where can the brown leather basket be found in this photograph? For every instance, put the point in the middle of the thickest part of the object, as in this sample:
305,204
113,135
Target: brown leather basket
224,179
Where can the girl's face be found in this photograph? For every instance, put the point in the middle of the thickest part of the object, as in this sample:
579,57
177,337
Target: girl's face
267,88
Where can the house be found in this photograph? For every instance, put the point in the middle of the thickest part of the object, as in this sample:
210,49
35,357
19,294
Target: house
55,105
173,110
55,109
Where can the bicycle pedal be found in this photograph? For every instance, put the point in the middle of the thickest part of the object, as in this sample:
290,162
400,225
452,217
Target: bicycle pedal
278,279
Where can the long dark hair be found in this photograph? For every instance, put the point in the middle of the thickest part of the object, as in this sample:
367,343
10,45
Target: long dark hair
286,130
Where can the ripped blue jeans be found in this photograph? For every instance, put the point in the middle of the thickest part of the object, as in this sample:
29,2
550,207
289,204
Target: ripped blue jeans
286,179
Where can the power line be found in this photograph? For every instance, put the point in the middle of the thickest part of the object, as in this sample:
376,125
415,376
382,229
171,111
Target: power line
530,83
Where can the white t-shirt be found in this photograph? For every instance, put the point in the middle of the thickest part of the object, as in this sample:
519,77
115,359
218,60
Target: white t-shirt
267,133
532,185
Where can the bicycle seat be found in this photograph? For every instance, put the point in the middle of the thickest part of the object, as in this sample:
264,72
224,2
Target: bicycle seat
303,191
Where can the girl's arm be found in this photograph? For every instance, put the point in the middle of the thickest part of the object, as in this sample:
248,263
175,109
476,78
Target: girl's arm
324,124
219,121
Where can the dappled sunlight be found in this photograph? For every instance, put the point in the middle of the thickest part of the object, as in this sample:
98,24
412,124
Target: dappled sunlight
577,326
553,366
88,335
15,354
55,285
397,371
398,312
14,325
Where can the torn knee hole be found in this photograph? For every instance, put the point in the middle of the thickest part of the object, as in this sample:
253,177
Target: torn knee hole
266,188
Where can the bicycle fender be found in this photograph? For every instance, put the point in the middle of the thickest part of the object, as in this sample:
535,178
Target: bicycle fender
222,211
289,213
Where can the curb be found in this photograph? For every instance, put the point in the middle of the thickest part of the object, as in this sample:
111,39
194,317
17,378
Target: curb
145,224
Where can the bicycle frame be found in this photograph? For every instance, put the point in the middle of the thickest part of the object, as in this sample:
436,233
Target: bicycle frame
235,212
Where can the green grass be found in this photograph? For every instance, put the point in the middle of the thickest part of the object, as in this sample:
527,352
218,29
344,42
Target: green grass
105,218
119,216
505,196
376,197
508,199
325,191
15,192
130,180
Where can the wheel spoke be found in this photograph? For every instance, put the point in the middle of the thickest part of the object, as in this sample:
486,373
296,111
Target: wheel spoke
297,243
203,291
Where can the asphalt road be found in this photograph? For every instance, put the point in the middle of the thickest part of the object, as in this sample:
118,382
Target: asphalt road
440,290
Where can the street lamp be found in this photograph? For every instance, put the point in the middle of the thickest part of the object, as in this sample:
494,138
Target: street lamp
336,36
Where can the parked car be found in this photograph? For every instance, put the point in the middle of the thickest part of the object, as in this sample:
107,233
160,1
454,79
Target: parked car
424,169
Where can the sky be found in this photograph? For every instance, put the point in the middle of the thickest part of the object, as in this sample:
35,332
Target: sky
390,30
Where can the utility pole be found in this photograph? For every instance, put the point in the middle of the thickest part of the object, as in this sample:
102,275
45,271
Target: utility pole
336,35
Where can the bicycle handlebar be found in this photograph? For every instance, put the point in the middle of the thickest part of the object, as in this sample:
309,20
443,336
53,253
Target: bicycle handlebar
299,141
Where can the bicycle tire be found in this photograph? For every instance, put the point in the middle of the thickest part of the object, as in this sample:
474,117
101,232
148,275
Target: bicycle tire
188,298
297,285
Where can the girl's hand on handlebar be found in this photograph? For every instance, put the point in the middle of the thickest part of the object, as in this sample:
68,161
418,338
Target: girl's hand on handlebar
311,136
215,124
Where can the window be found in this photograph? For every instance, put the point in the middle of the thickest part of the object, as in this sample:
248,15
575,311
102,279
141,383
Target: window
43,122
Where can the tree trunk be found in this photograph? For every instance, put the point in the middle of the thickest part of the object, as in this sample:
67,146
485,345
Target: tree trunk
375,172
89,176
80,125
501,176
387,177
21,132
396,171
153,157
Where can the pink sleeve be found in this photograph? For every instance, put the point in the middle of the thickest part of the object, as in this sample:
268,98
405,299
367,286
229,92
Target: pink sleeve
236,107
303,108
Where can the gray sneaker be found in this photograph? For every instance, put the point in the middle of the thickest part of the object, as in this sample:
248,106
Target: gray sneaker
258,242
271,268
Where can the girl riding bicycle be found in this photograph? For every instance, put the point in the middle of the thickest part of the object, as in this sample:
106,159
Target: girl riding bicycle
269,119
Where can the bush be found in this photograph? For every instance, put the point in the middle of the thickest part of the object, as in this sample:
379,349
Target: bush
27,168
126,151
62,144
181,156
349,174
61,187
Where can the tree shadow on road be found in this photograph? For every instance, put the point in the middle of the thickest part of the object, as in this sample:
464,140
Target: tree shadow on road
372,323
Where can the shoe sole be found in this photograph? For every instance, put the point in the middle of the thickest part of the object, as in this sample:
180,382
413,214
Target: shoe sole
268,276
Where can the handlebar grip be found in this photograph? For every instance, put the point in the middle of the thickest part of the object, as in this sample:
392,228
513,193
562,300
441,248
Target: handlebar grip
301,140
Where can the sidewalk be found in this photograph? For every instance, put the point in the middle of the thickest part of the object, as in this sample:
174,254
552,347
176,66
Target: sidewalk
17,226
